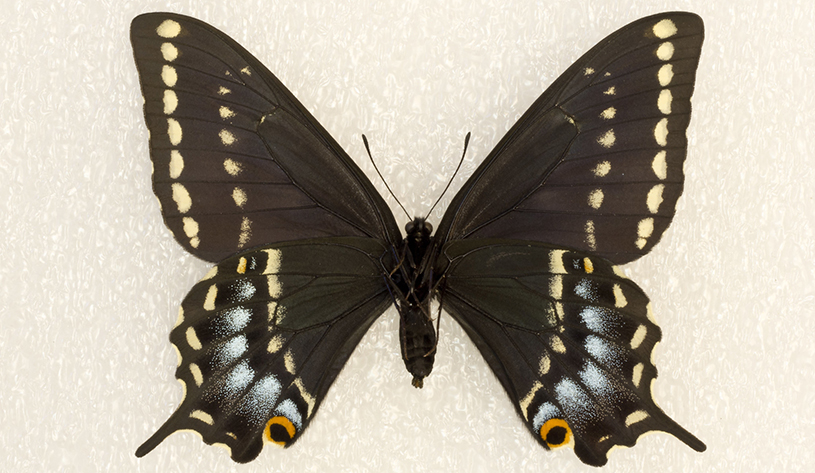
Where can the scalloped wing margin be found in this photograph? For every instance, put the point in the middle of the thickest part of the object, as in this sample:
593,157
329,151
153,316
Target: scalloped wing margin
261,338
569,337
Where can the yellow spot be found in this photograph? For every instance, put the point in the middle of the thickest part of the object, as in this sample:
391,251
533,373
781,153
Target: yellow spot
664,101
609,113
305,395
277,439
182,200
194,242
168,29
664,29
588,71
660,165
524,403
192,339
169,52
557,316
274,287
246,71
556,287
190,227
226,112
665,51
232,167
557,344
246,232
636,377
241,266
227,138
556,433
170,101
288,361
239,196
619,298
211,273
178,361
588,265
272,261
596,198
544,364
665,74
608,139
173,131
602,169
168,75
223,91
644,230
556,262
176,164
591,240
654,199
661,132
635,417
275,344
272,310
281,313
610,91
639,337
196,374
209,300
202,416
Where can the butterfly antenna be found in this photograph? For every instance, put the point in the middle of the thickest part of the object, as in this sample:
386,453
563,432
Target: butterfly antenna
368,149
460,162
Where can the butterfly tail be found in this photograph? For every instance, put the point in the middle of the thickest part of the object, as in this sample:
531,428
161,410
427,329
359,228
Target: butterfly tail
162,433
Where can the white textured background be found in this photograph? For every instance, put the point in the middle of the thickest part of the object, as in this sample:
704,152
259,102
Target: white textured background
90,279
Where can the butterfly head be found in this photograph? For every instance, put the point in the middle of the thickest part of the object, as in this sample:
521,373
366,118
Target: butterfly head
419,228
418,238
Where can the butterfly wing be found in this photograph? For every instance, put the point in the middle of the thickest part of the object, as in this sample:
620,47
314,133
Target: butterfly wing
237,161
596,163
569,337
261,338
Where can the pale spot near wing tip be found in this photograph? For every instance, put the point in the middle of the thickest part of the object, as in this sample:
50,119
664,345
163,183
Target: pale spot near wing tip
168,29
665,29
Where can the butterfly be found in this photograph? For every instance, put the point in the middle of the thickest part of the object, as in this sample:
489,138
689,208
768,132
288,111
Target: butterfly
308,254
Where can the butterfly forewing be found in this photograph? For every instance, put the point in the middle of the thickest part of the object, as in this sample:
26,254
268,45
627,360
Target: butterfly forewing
608,141
211,108
261,338
569,338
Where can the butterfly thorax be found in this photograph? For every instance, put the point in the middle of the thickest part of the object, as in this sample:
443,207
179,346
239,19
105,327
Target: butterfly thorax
417,334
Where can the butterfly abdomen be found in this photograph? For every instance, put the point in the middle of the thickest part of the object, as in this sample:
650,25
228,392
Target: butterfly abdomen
418,338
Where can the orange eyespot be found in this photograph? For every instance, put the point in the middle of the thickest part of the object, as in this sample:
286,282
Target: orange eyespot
556,433
279,430
588,265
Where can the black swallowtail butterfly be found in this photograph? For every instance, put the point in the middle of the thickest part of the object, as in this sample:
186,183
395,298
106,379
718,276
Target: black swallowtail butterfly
308,253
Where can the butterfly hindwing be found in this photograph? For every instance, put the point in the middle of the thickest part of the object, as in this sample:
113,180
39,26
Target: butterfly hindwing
569,337
237,161
261,338
596,163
